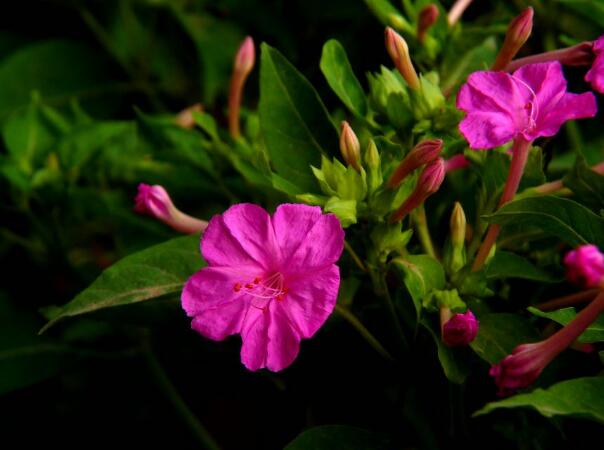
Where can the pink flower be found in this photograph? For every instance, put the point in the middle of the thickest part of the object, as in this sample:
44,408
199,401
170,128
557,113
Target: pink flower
156,202
595,75
585,266
460,330
273,280
522,367
530,103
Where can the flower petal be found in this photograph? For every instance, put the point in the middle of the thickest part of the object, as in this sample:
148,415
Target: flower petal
484,130
292,223
595,75
548,84
283,341
220,322
220,248
570,107
254,334
321,246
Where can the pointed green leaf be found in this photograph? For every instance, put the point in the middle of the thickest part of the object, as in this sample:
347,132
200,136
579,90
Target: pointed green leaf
296,126
581,397
151,273
338,73
586,184
510,265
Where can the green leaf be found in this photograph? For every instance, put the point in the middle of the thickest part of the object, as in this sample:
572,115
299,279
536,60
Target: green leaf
421,274
453,367
338,73
510,265
59,70
296,126
560,217
587,185
151,273
339,437
581,398
500,333
593,333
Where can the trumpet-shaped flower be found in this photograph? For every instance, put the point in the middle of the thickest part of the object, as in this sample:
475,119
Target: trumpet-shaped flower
585,266
530,103
273,280
595,75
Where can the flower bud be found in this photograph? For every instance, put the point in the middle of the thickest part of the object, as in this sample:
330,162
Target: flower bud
423,153
427,17
455,255
428,183
456,162
457,10
460,329
518,33
585,266
374,167
185,118
242,66
156,202
399,52
349,146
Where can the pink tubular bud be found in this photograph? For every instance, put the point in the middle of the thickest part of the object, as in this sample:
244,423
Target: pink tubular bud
423,153
527,361
185,118
427,17
518,33
349,146
243,65
399,52
585,266
457,10
428,183
460,329
456,162
578,55
156,202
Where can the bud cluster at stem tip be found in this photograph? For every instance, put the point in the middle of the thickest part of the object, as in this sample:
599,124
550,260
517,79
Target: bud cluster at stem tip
423,153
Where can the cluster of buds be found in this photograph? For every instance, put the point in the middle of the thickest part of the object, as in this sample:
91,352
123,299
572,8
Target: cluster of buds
425,153
522,367
156,202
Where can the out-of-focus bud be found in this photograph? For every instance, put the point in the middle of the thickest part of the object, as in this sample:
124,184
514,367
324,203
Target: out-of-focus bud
243,65
374,167
427,17
429,182
585,266
185,118
460,329
518,32
349,146
399,52
456,162
457,10
423,153
156,202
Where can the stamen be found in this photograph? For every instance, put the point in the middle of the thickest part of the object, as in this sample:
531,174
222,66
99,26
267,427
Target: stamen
237,287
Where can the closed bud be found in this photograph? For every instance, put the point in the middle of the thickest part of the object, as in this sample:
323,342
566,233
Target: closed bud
460,329
423,153
242,66
374,167
427,17
455,255
518,33
349,146
429,182
585,266
245,57
399,52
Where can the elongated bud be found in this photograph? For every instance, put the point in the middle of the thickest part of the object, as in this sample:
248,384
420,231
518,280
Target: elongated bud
518,32
429,182
456,162
585,266
374,167
455,254
427,17
423,153
457,10
156,202
349,146
399,52
242,66
459,329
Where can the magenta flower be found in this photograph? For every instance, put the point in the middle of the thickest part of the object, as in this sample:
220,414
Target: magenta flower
156,202
585,266
460,330
595,75
530,103
522,367
273,280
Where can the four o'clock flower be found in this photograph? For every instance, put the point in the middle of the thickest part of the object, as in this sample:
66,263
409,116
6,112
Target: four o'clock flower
585,266
458,329
273,280
155,201
530,103
595,75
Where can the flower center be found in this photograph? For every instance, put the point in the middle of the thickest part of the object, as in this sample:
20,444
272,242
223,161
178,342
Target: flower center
531,107
266,288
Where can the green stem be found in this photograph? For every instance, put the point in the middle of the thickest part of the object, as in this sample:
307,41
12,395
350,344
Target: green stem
355,257
363,331
423,232
163,381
